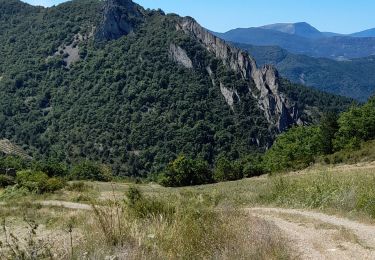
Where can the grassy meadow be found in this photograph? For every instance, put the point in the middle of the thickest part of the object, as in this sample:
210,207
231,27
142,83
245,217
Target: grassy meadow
139,221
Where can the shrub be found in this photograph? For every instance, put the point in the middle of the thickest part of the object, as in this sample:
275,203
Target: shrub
13,162
355,126
6,180
38,182
88,170
133,195
253,166
295,149
14,192
227,171
186,172
52,168
54,184
142,207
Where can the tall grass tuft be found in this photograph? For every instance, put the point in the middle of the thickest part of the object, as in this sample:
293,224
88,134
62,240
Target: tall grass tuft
180,226
322,191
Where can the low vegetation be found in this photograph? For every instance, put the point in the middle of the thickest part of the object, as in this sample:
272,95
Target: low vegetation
181,224
325,191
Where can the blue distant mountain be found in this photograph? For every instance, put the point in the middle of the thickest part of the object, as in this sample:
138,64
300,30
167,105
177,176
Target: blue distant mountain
300,29
366,33
302,38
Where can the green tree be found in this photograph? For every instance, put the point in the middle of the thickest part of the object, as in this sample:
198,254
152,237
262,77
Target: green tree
186,172
328,129
52,168
226,170
88,170
253,165
39,182
356,125
295,149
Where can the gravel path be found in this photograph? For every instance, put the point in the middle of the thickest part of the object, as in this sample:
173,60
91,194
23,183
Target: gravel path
319,236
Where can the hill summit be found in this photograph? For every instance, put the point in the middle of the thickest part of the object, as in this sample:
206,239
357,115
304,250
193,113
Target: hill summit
302,29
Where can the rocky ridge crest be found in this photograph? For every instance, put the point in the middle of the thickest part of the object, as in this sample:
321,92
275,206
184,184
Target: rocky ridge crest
278,110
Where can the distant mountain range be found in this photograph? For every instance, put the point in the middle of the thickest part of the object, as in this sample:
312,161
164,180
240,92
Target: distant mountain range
354,78
302,38
306,30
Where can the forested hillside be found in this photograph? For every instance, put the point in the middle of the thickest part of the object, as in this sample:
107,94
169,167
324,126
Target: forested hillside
115,83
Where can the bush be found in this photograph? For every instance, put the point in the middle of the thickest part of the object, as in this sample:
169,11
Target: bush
186,172
253,166
14,192
6,180
227,171
88,170
38,182
54,184
142,207
52,168
13,162
355,126
295,149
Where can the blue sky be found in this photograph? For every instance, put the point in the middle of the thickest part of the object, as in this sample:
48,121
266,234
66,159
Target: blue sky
341,16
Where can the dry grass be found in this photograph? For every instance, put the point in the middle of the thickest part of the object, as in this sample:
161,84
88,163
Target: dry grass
178,225
201,222
184,226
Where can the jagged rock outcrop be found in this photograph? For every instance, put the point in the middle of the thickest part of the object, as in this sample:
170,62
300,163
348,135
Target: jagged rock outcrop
180,56
120,17
230,95
278,110
277,107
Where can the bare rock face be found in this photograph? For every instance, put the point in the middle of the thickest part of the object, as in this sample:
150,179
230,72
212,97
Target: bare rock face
278,110
230,95
180,56
120,17
237,60
277,107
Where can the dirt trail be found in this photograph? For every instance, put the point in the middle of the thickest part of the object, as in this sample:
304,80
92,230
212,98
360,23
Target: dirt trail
65,204
319,236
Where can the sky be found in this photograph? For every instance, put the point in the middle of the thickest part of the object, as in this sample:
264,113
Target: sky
340,16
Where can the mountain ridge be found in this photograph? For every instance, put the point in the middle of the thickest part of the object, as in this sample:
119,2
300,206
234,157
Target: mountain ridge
138,100
306,30
302,29
302,38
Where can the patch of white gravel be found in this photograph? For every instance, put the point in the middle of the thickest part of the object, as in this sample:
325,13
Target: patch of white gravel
318,243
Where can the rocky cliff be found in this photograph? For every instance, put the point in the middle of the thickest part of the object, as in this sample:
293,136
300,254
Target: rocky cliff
120,17
278,110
